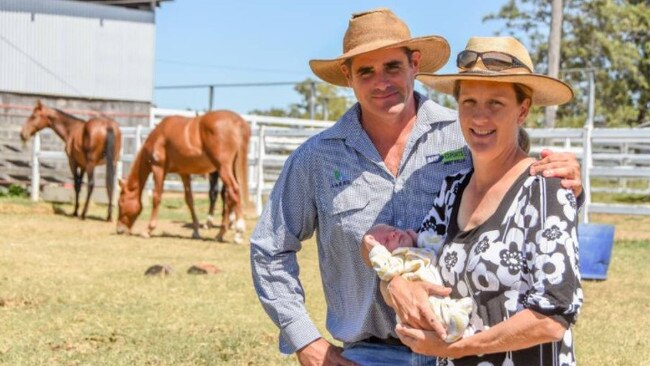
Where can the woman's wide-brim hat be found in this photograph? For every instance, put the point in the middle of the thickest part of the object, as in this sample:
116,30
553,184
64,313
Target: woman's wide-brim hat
546,90
376,30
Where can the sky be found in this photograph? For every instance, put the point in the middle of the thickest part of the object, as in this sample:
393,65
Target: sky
262,41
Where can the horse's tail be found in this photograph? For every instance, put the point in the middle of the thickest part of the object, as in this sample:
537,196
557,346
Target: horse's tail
241,166
109,154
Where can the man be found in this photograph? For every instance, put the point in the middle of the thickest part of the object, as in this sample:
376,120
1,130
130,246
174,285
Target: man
382,162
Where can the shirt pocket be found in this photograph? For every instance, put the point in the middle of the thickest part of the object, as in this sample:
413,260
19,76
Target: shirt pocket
348,213
423,187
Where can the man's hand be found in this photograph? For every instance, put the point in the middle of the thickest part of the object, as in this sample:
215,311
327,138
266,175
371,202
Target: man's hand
561,165
410,300
322,352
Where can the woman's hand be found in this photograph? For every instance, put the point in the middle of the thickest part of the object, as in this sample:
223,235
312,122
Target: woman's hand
410,300
425,342
523,330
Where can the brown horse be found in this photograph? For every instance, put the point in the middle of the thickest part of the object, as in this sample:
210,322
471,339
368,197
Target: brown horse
215,142
87,144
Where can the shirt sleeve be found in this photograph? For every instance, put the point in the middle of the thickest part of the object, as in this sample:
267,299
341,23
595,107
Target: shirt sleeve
433,230
581,200
289,217
552,252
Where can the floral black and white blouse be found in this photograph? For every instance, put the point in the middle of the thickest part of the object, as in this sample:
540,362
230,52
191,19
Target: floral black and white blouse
525,256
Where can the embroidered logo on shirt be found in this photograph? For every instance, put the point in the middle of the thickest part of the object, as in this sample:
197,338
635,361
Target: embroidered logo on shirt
453,156
433,158
340,179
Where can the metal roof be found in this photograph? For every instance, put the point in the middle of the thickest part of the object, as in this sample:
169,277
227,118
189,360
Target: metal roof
133,4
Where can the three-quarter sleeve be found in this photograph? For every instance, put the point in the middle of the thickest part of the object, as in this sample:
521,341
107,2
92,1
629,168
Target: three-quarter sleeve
552,253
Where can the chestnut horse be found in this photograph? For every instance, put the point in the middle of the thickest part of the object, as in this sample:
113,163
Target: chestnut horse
214,142
87,144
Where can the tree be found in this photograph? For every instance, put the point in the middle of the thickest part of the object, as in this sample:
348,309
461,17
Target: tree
554,43
273,112
610,36
329,102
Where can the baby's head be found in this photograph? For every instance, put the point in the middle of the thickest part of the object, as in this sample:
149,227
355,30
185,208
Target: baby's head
392,238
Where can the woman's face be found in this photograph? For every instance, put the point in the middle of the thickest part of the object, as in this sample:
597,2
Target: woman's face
490,117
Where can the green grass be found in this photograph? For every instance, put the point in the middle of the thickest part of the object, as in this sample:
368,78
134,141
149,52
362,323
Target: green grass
613,325
74,293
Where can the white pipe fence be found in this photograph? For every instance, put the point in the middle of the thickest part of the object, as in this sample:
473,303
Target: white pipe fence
619,154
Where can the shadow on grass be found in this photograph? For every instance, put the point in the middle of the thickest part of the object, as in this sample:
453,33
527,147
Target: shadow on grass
189,237
57,208
202,225
167,235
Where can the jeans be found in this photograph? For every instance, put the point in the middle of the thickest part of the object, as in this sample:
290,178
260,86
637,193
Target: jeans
373,354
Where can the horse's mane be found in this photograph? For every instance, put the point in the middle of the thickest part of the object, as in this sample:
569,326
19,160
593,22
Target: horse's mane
69,115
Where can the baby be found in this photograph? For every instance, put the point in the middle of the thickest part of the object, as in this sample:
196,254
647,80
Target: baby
397,255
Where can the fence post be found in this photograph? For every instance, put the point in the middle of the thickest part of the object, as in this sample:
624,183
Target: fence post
119,171
152,117
587,162
312,99
259,187
253,150
138,138
36,174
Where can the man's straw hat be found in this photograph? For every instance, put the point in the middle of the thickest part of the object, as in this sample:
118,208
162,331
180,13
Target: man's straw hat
546,90
380,29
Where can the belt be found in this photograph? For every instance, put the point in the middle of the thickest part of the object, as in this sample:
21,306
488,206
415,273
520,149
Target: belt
390,341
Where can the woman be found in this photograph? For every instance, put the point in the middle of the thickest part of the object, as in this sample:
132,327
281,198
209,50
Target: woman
509,238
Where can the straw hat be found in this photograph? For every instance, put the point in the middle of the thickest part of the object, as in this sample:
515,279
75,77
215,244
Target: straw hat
380,29
546,90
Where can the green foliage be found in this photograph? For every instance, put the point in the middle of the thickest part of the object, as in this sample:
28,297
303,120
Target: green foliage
330,102
611,36
14,191
273,112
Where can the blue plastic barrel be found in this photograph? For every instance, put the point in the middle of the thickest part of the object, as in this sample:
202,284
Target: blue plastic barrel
595,246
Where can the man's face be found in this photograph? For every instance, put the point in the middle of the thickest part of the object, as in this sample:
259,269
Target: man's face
383,80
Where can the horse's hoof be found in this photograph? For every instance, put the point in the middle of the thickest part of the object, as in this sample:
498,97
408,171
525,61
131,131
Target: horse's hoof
196,235
145,235
238,239
220,239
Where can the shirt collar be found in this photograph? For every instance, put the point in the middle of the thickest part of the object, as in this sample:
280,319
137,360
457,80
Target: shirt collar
349,125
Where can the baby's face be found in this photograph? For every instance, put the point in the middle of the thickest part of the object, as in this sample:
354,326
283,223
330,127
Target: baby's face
390,237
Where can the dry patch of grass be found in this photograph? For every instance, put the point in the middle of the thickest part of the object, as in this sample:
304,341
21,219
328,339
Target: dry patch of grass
627,227
613,325
74,293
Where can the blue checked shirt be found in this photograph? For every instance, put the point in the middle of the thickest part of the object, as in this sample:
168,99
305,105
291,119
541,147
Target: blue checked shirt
337,186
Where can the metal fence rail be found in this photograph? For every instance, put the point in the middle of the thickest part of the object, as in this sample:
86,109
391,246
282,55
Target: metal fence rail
619,155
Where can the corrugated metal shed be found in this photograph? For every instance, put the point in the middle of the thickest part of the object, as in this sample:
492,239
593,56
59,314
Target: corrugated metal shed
76,49
136,4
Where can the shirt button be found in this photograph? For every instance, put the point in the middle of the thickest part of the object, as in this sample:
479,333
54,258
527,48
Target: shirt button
399,223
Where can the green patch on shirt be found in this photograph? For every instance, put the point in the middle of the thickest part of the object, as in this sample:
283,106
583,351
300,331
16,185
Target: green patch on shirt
453,155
